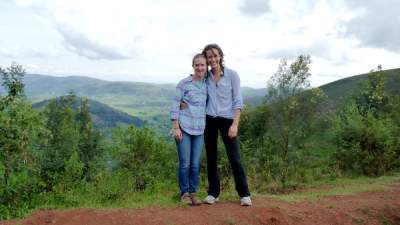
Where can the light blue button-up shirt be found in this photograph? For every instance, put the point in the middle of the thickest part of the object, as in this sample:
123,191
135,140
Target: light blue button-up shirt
224,96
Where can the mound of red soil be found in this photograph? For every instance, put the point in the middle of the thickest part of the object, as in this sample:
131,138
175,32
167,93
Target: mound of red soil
364,208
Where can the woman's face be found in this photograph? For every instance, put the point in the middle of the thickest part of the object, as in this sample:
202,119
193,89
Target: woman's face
213,58
199,67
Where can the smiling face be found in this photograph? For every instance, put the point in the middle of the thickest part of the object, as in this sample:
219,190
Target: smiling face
199,67
213,58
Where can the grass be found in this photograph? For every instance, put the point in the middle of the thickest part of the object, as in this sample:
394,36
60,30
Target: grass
384,220
230,220
166,195
340,186
359,221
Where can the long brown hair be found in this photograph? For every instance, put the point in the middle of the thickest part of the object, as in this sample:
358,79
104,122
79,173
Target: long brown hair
221,53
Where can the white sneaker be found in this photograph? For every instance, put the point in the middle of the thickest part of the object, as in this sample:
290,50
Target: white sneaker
210,200
245,201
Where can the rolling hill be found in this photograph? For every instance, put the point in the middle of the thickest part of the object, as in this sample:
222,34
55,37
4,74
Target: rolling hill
143,100
103,115
341,89
151,102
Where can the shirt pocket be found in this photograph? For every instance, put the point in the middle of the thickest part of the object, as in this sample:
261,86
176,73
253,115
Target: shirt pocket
225,90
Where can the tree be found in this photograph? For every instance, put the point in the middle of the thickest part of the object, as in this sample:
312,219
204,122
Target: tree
13,82
63,139
21,129
291,118
366,129
289,80
374,98
89,137
20,125
144,155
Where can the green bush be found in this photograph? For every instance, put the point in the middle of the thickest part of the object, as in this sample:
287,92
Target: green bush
365,144
149,159
367,130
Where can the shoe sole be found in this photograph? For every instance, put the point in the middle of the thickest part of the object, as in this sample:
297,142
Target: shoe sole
211,203
245,204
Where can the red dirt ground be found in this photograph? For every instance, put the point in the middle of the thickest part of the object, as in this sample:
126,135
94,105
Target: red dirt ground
363,208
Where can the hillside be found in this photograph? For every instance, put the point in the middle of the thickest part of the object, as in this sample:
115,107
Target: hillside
143,100
103,115
340,89
151,102
134,98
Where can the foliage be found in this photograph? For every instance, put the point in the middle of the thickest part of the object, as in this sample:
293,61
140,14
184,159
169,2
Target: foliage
282,125
144,156
366,130
89,138
62,141
20,130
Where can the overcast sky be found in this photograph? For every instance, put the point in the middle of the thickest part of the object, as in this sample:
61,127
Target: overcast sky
154,40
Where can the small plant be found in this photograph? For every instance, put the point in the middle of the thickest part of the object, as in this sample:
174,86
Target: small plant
231,221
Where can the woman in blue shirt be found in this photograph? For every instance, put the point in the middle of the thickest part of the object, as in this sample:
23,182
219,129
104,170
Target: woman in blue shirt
223,110
188,127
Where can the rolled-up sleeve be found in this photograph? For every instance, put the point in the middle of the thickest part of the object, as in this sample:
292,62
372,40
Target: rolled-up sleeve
237,102
176,101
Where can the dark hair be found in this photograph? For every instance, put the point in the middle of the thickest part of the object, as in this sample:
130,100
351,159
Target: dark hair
221,53
199,55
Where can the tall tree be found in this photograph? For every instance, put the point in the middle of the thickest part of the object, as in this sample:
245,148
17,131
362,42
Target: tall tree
292,110
89,137
19,123
63,138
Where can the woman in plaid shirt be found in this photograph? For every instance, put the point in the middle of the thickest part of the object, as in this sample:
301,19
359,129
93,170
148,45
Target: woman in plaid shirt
188,127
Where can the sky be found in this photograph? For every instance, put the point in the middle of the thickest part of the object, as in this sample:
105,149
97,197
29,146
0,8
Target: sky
154,40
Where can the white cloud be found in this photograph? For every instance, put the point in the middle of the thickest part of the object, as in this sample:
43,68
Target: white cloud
377,25
154,40
254,7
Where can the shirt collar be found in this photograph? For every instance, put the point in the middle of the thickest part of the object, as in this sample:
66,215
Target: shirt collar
191,78
211,74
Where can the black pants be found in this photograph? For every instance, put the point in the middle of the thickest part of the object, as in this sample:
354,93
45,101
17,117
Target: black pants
213,125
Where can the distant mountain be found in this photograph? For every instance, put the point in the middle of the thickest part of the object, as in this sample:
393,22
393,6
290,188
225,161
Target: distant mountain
253,97
151,102
103,115
139,99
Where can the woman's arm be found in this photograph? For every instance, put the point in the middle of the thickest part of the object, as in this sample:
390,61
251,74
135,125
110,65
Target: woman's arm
237,103
233,130
175,111
176,130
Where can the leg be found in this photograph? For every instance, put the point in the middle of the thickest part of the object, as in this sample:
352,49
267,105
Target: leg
232,150
211,138
196,147
183,148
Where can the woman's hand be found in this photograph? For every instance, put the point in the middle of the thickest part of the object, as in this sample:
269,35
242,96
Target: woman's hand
183,105
178,134
233,130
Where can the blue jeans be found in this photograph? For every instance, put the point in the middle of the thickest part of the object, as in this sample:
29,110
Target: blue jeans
189,152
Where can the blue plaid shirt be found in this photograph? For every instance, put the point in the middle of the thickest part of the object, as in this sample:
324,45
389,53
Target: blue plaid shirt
194,94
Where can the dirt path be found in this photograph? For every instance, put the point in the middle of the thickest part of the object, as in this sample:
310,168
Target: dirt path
364,208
